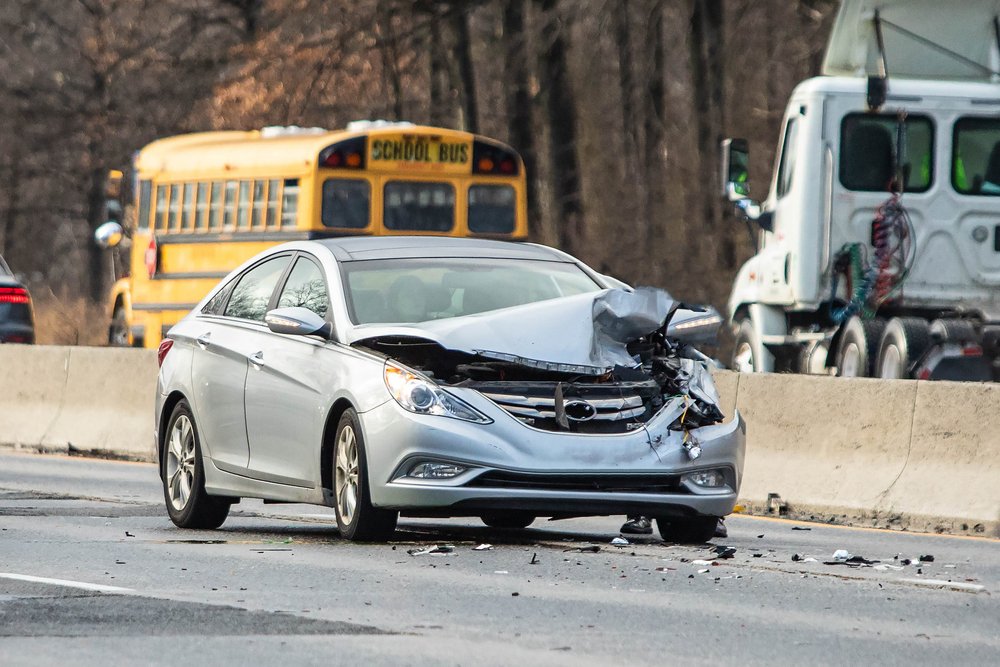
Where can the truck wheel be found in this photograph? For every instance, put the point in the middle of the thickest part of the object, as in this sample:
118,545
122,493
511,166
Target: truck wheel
746,349
859,340
904,341
118,331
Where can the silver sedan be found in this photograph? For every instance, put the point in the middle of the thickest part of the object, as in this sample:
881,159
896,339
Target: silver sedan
442,377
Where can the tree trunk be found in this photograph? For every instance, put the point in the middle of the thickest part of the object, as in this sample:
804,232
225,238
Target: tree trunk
96,213
466,75
654,118
390,57
707,70
441,113
560,115
519,116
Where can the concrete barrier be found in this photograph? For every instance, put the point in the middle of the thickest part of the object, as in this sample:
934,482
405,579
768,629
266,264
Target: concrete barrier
90,399
901,453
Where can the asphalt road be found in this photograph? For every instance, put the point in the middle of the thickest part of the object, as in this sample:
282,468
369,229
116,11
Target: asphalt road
93,573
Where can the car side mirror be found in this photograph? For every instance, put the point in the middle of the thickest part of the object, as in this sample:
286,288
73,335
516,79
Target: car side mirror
297,321
109,235
695,324
735,169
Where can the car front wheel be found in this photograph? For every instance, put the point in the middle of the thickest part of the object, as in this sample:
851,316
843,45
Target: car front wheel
687,530
357,518
183,475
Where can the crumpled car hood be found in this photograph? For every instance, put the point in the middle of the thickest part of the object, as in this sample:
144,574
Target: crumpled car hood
586,333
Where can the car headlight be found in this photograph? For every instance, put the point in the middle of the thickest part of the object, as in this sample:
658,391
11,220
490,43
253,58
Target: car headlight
418,394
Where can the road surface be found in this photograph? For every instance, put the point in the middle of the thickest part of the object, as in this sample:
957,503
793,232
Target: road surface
93,573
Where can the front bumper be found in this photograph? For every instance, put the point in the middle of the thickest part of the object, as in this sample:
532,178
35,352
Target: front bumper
513,466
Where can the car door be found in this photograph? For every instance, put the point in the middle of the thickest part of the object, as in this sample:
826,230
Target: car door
226,336
286,387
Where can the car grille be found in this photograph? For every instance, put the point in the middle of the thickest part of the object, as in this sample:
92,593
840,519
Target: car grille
590,408
585,483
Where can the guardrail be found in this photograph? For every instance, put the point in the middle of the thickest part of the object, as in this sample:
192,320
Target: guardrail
902,453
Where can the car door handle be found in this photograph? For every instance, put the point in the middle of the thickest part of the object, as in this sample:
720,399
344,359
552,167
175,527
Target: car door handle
203,340
257,359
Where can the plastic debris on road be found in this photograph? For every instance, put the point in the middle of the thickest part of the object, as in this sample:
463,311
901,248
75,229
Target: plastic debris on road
435,550
724,552
620,542
483,547
841,554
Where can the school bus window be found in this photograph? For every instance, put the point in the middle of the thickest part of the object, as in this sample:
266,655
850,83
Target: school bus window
145,194
273,198
289,202
419,207
161,207
188,206
175,206
229,220
346,203
491,209
259,201
201,209
215,206
243,206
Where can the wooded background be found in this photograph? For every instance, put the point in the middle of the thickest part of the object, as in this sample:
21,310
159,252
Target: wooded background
617,106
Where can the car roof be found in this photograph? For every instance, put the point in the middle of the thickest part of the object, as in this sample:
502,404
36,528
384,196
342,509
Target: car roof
399,247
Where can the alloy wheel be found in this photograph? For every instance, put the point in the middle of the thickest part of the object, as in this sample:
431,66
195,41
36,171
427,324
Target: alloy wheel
180,462
346,474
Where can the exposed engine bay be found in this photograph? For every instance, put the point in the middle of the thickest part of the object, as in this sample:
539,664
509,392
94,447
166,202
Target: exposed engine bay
636,364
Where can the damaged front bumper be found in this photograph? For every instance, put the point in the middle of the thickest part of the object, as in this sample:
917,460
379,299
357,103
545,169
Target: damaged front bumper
510,465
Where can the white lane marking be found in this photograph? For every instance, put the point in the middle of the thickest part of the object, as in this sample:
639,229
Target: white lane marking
942,583
65,582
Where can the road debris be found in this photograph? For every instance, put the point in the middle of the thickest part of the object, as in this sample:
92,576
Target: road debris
589,549
534,559
928,558
724,552
800,528
841,554
942,583
439,549
619,542
799,558
483,547
703,571
699,561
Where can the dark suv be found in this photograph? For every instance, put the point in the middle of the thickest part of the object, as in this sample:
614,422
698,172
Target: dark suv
17,320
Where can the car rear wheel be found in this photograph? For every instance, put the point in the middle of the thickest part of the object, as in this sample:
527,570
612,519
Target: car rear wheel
687,530
508,520
357,518
183,475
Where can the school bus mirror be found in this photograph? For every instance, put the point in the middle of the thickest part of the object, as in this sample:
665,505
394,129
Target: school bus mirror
735,169
109,234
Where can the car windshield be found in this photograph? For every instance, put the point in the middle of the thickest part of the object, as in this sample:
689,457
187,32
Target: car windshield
404,291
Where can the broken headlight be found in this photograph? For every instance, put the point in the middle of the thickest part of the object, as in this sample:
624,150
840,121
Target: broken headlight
418,394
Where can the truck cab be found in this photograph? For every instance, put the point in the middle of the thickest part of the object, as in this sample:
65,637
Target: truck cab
879,238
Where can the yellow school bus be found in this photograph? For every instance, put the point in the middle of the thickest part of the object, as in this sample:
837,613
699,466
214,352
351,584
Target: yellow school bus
206,202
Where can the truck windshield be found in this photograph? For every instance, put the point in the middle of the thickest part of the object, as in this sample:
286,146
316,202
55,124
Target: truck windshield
975,159
867,147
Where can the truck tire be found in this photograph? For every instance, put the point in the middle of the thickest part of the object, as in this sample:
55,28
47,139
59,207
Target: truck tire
904,340
858,342
746,350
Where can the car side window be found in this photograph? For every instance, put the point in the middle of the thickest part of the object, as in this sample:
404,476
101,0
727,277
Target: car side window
305,288
217,304
254,289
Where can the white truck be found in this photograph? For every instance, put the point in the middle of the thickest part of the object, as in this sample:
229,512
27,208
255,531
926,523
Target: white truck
879,243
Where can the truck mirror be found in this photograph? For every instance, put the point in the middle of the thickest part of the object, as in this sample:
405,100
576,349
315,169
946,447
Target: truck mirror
735,169
109,234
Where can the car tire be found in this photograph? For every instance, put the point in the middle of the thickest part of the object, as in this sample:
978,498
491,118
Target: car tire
687,530
904,340
118,333
858,344
746,349
183,475
508,520
357,518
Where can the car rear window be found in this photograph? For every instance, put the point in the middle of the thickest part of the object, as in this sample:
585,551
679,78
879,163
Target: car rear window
416,290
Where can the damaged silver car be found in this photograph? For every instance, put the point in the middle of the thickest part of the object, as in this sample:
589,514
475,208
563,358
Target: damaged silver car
437,377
